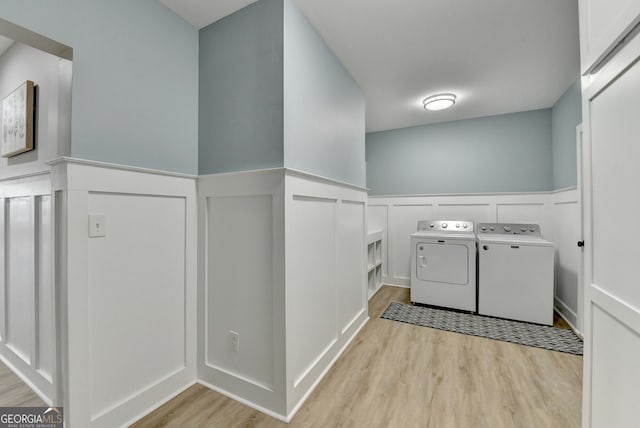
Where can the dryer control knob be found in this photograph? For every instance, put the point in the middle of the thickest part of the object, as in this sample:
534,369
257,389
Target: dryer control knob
532,229
457,225
507,229
523,229
431,225
484,228
444,225
464,225
491,228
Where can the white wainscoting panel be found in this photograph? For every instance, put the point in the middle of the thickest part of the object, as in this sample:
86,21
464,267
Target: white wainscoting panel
326,300
127,299
241,287
349,244
44,293
311,282
136,296
557,213
27,320
566,234
614,363
522,213
258,270
397,218
19,265
479,213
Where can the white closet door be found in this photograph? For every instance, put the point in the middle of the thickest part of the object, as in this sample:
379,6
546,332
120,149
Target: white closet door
612,215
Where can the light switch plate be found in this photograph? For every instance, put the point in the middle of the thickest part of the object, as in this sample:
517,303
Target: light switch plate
97,226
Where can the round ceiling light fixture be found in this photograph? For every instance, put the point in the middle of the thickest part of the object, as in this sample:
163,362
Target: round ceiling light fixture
439,102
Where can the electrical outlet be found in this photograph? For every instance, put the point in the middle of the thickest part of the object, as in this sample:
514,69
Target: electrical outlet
234,338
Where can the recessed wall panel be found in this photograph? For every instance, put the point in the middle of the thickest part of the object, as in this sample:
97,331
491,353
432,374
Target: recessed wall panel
350,261
136,308
614,371
311,283
469,212
44,252
566,235
239,286
521,213
19,276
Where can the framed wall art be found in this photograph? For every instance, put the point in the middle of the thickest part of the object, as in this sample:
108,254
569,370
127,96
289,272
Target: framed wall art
18,121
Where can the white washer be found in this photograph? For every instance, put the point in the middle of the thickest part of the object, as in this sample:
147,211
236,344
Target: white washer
515,272
443,264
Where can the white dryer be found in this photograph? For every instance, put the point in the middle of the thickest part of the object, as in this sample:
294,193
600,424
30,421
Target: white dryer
515,272
443,264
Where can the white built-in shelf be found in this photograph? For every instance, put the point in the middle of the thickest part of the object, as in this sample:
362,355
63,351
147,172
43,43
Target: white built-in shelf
374,262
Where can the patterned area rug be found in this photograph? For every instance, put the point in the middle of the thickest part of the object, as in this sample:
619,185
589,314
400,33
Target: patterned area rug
539,336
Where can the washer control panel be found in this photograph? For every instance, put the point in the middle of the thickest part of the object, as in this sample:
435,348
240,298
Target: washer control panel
509,229
455,226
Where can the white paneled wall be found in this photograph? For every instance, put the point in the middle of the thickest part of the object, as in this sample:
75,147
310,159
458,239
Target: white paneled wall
136,300
242,256
326,298
258,270
311,275
558,214
567,229
241,287
398,216
27,318
350,220
128,297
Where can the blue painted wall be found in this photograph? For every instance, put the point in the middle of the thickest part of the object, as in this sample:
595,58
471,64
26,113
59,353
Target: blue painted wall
135,78
272,94
566,114
241,90
324,109
507,153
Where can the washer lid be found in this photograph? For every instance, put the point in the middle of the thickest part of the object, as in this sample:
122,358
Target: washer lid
514,239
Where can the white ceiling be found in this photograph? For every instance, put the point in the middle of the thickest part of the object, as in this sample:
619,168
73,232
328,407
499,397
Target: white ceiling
5,43
498,56
201,13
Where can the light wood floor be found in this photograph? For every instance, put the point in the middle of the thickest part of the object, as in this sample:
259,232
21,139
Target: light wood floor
14,392
400,375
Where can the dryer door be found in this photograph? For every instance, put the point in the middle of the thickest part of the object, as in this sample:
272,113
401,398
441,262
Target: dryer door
442,262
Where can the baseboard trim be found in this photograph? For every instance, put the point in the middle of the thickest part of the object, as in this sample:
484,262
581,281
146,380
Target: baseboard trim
304,398
354,319
244,401
391,284
160,403
26,380
557,308
374,292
